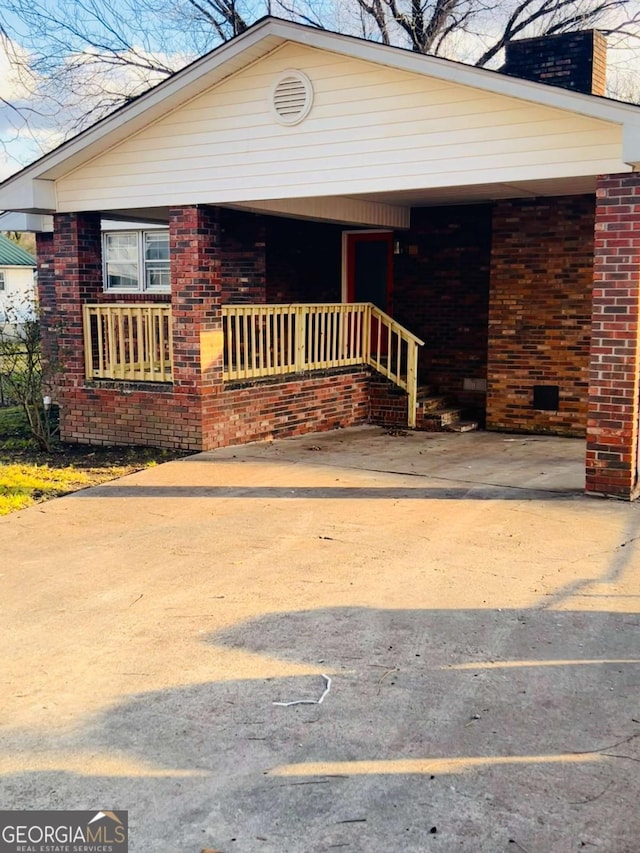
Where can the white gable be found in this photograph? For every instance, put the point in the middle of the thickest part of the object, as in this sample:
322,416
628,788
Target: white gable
371,129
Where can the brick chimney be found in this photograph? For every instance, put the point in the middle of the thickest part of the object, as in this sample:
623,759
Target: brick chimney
576,61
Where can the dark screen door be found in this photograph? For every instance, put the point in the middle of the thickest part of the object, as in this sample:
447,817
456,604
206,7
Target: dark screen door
369,269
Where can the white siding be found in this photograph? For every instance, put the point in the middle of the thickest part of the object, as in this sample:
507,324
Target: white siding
19,291
371,129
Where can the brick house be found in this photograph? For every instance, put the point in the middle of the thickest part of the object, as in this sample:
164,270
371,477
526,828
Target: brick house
304,227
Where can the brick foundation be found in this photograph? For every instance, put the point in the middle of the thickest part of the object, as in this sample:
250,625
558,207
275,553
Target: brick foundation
387,404
540,313
612,432
125,413
292,406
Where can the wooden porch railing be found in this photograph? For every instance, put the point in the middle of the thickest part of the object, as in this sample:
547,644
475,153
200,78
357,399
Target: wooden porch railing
133,342
393,352
269,340
128,341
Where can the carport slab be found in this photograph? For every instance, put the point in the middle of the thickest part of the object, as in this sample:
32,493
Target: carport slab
477,615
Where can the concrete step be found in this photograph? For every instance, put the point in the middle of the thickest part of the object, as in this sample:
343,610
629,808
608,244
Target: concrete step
424,391
440,418
462,426
432,403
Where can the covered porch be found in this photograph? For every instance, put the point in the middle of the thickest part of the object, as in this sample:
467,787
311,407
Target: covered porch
400,221
489,304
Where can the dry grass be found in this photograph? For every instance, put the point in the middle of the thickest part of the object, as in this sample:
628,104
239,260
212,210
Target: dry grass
29,476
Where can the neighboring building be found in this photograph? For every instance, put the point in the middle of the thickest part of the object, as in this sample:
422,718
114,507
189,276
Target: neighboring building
301,176
17,281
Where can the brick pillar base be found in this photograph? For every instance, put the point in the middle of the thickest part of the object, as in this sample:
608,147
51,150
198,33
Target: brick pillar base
78,279
612,427
194,235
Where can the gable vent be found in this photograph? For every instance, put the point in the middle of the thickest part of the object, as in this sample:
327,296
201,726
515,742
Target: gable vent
291,97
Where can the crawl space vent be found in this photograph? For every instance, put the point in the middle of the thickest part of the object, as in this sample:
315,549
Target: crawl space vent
291,97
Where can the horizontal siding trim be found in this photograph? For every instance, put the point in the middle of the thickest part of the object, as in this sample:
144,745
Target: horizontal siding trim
240,191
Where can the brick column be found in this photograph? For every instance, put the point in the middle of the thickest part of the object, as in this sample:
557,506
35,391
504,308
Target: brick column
612,427
78,279
194,240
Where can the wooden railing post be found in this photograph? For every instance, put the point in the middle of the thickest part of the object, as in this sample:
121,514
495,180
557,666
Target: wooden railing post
412,383
366,334
88,349
300,337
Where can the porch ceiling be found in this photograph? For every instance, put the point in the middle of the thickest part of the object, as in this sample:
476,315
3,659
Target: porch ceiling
387,210
583,185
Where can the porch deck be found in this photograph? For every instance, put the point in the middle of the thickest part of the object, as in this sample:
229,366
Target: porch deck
475,465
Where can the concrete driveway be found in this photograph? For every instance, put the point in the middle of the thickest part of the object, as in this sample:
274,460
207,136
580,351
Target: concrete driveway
477,615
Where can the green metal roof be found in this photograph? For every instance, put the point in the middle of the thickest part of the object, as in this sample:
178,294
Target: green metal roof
13,256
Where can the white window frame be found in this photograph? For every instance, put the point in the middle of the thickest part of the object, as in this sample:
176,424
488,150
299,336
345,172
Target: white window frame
3,281
142,265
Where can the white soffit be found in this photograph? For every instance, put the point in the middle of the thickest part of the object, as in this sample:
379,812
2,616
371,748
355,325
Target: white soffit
584,185
349,211
30,222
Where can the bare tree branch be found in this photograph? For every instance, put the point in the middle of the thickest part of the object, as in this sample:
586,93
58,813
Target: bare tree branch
74,61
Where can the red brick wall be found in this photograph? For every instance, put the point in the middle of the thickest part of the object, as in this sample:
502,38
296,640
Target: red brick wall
613,391
304,261
123,413
242,256
441,294
540,312
293,405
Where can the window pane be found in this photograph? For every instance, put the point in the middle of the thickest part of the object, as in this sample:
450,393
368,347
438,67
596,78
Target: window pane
122,275
121,247
156,246
158,277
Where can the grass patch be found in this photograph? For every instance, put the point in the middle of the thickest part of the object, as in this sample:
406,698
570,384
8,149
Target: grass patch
29,475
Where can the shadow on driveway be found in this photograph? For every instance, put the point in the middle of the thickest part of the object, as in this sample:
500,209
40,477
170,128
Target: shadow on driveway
472,730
